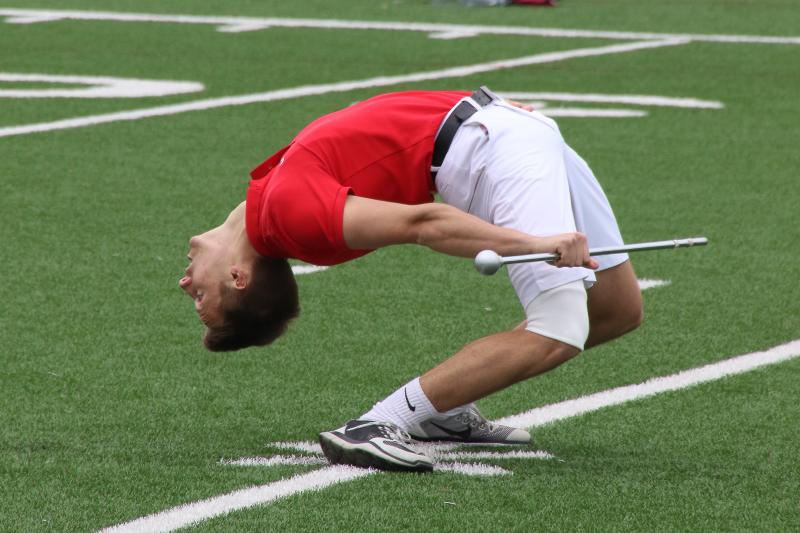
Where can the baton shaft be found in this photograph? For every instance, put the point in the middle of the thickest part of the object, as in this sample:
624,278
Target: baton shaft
656,245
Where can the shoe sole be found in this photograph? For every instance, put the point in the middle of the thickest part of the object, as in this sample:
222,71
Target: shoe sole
341,451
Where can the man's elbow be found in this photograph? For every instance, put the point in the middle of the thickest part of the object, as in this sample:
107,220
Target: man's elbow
425,226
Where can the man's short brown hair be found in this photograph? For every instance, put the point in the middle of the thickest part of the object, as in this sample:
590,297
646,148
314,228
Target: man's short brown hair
260,313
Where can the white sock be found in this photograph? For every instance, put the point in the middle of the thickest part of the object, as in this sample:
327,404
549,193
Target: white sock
406,407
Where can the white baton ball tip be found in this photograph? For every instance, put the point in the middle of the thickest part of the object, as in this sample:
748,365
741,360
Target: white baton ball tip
487,262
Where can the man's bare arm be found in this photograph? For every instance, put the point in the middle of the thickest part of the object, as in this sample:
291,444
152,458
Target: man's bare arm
372,224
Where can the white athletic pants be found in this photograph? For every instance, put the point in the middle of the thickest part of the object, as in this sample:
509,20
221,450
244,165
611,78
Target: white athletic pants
512,168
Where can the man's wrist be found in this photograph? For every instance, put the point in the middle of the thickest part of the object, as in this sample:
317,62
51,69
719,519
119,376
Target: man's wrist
538,245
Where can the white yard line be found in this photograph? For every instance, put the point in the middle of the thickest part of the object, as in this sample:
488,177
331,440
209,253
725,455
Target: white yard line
326,88
191,513
688,378
644,284
436,31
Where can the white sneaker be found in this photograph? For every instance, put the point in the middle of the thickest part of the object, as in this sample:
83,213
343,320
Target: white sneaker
370,444
471,427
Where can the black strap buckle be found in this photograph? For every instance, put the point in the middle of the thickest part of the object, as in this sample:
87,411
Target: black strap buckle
483,96
460,113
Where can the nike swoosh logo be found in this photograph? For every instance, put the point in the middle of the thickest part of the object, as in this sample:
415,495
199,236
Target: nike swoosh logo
413,408
464,434
353,428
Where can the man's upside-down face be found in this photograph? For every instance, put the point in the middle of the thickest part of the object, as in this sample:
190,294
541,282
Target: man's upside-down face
203,278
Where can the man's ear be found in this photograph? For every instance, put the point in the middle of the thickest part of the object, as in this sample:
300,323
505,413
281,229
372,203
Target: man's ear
241,278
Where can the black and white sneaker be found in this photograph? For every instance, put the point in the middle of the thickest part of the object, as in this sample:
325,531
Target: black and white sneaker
370,444
469,427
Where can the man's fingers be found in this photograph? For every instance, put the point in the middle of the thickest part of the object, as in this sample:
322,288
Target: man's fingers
571,257
573,251
588,262
568,257
526,107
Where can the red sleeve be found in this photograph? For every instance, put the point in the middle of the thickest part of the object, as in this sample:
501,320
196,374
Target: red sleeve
304,211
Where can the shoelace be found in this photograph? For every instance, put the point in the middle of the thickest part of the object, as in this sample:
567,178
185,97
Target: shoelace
476,420
390,431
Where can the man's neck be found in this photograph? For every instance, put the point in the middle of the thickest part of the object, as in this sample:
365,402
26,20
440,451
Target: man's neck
236,233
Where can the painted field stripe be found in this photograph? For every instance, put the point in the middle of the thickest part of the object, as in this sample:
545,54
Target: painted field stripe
275,460
299,270
302,446
192,513
630,99
576,112
436,450
438,31
515,454
345,86
471,469
688,378
645,283
95,87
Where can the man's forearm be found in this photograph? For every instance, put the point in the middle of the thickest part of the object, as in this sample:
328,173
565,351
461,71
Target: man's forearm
448,230
451,231
368,224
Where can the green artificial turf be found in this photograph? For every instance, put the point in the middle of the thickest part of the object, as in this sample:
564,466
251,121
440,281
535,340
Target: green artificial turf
649,465
110,409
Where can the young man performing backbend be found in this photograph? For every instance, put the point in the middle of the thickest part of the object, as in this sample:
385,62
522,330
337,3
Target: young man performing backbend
360,179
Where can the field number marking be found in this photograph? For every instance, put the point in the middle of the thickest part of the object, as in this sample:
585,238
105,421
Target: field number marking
94,86
339,87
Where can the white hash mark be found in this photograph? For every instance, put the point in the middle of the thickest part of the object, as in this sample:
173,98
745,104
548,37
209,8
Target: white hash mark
274,460
446,457
645,284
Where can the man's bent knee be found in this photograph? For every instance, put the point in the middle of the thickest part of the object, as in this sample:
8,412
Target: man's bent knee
544,354
628,316
615,304
560,314
635,318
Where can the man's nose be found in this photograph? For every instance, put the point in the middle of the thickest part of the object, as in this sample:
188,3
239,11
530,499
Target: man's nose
185,282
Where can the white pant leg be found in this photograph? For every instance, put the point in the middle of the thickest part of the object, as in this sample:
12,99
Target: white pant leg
560,313
592,212
507,166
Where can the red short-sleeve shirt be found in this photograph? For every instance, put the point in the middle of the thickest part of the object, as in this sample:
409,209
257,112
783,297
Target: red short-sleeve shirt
380,148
